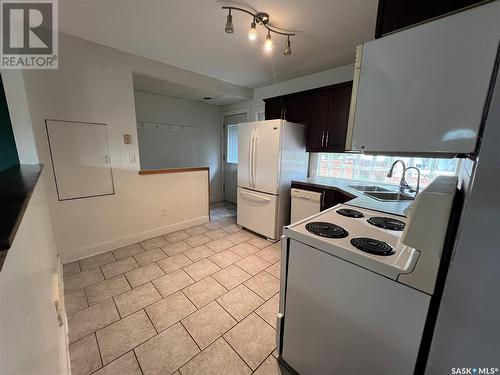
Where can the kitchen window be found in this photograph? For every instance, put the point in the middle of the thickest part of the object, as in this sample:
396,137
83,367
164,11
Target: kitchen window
374,167
232,144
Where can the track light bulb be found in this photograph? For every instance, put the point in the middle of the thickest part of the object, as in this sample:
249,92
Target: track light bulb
229,24
288,49
268,44
252,33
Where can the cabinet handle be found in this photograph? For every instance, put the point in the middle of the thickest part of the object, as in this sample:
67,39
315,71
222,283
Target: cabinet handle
326,143
323,139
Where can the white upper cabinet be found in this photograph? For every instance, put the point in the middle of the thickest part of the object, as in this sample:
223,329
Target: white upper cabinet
80,157
423,90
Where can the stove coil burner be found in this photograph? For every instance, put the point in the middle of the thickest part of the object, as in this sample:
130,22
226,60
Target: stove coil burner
372,246
387,223
350,213
328,230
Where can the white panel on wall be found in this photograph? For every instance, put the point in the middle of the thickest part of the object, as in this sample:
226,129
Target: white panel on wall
80,159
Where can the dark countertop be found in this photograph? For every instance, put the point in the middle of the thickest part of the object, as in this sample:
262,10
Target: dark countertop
361,200
16,185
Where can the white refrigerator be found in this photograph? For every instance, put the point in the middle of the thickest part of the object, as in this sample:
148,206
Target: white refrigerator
270,154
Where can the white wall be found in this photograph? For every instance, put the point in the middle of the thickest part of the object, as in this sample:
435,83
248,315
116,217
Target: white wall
29,329
311,81
94,83
176,149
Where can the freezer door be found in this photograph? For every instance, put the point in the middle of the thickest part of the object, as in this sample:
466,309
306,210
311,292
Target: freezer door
245,136
266,156
258,212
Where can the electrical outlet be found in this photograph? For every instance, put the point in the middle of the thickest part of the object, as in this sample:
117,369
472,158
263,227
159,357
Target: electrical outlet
163,212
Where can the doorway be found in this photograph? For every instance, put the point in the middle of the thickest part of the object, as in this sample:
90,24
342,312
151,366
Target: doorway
230,153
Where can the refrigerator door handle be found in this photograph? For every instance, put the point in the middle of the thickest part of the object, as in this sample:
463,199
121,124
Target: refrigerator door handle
254,157
255,197
250,161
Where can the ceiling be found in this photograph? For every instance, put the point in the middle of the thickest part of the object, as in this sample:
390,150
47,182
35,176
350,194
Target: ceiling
190,34
165,88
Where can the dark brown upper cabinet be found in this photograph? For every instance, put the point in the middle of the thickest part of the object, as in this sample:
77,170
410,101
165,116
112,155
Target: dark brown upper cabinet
395,15
325,111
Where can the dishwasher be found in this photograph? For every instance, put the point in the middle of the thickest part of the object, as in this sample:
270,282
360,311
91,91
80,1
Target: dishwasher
305,203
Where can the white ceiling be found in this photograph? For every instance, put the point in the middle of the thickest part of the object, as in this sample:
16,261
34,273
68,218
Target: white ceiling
160,87
190,34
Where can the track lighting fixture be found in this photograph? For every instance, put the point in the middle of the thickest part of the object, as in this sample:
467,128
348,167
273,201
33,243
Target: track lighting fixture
252,33
229,23
263,20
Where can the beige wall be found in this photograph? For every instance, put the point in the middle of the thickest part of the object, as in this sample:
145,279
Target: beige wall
31,341
94,83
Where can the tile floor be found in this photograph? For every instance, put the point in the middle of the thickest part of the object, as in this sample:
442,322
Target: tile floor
198,301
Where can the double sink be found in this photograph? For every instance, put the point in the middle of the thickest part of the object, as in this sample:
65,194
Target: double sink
382,194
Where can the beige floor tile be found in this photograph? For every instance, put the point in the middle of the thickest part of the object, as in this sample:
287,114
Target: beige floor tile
225,258
193,231
174,262
166,352
170,310
91,319
84,356
238,237
201,269
216,234
144,274
176,236
231,228
71,268
275,269
120,266
96,260
271,366
270,253
231,276
275,353
150,256
240,302
219,244
253,339
75,301
204,291
82,279
199,252
197,240
253,264
124,335
269,310
264,284
106,289
259,242
208,324
217,359
136,299
153,243
125,365
128,251
172,282
244,249
176,248
213,225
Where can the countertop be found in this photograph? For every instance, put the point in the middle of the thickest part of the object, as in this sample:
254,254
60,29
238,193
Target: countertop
361,200
16,185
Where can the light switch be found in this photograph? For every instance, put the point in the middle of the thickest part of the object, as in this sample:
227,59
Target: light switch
127,139
131,157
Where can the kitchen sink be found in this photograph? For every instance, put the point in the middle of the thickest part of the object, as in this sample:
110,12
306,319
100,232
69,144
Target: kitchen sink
368,188
389,196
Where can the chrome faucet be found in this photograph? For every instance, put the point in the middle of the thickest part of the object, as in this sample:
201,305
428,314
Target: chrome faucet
403,185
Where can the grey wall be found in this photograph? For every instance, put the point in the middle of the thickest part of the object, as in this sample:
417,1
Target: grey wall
180,149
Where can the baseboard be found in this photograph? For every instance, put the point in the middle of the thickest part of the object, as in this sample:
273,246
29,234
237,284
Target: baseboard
128,240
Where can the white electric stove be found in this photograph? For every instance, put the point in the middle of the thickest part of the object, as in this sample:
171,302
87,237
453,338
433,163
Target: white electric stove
356,286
